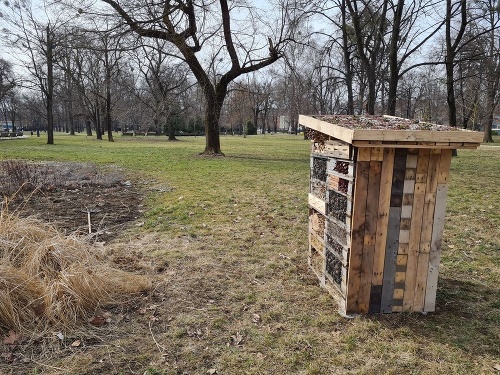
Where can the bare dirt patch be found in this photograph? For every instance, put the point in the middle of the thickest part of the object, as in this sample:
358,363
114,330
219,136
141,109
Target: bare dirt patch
63,193
60,194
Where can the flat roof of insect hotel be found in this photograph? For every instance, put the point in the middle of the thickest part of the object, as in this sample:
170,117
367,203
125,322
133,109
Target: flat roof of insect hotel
390,131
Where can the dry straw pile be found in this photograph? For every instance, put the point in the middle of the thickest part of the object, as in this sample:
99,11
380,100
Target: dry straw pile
48,280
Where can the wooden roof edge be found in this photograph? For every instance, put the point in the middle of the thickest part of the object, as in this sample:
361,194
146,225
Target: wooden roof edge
417,136
327,128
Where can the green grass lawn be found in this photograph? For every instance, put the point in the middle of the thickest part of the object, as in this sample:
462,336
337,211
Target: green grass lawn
237,295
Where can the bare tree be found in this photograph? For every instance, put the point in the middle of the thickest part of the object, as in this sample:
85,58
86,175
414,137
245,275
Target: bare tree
195,26
7,79
369,21
491,64
164,81
7,94
34,33
452,44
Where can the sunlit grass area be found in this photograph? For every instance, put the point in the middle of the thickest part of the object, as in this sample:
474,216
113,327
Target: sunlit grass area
236,295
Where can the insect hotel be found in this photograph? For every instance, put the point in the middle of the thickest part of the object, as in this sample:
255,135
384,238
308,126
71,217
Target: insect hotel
376,209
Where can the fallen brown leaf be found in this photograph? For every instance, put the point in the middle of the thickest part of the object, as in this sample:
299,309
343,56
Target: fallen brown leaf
97,321
13,338
39,309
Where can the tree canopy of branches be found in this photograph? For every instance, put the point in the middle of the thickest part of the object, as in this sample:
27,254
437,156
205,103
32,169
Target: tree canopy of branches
208,26
7,80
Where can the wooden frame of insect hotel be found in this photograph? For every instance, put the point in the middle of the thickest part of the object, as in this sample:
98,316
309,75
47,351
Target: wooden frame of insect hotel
376,209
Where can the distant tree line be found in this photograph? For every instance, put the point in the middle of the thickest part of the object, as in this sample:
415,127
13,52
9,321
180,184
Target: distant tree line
226,67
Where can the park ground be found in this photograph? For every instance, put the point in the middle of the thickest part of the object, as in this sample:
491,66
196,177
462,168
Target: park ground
224,243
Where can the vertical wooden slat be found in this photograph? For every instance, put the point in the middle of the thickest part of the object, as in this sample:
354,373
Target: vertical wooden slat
426,233
444,166
357,229
435,251
393,229
405,226
416,227
382,228
391,252
371,217
437,231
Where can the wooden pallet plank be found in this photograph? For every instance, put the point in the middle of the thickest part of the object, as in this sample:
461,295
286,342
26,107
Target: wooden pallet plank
382,229
411,159
391,252
371,217
400,276
426,230
429,137
363,154
332,148
317,204
437,230
398,177
393,229
435,251
417,145
444,166
357,230
416,227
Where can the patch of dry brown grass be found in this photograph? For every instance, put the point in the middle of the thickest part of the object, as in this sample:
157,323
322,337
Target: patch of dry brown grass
48,280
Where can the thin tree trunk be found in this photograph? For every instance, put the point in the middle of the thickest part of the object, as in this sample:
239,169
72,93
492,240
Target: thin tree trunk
50,90
450,92
393,59
98,132
347,62
88,126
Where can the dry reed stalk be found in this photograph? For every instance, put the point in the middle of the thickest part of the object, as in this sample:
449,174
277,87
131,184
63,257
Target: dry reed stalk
21,296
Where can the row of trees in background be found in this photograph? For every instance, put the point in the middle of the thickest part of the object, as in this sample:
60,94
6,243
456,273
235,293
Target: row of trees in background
228,66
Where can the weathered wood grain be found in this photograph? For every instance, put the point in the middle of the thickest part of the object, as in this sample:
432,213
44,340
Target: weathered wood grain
435,250
371,216
382,229
357,230
391,252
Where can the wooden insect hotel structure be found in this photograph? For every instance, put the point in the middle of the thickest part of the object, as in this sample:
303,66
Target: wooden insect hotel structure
376,209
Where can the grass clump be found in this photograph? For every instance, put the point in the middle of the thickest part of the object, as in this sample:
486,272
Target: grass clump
48,280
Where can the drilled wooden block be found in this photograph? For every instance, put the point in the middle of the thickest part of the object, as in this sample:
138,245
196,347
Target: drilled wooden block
318,223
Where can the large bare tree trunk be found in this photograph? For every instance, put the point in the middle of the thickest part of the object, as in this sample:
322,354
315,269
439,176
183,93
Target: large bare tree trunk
347,61
451,52
213,109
